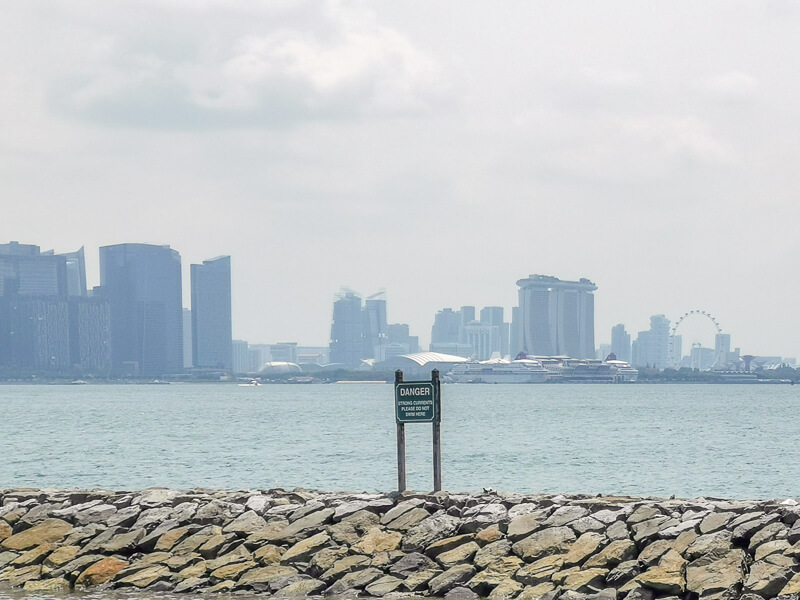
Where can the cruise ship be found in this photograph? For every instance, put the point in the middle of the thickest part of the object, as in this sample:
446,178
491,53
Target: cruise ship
543,369
521,370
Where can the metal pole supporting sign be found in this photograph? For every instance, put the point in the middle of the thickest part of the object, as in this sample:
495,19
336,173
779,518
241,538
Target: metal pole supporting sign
418,402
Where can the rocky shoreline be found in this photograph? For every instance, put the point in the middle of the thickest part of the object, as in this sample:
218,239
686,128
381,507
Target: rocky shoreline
459,546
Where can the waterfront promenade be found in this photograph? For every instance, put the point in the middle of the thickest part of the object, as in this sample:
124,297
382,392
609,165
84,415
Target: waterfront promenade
496,545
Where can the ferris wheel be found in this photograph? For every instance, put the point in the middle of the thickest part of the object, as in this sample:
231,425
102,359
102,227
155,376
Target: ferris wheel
695,326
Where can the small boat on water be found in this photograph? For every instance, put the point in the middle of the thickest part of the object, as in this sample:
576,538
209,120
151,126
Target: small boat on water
253,383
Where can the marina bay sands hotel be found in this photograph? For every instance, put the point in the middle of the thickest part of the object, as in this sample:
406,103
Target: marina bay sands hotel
555,317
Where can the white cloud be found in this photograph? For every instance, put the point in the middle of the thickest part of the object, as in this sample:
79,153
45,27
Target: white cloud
340,64
735,85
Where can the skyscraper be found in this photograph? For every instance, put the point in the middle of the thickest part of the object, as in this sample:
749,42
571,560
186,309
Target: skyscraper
620,343
346,330
651,348
142,283
211,314
557,317
374,327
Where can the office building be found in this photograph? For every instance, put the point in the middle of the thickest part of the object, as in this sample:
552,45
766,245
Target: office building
90,335
346,342
620,343
47,323
557,317
241,359
651,348
142,284
211,314
187,339
400,338
374,336
446,325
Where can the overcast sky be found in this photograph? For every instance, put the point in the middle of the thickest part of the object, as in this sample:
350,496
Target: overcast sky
437,150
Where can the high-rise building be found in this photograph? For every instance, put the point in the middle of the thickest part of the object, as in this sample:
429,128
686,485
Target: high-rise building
241,359
142,283
40,329
188,353
621,343
90,334
445,328
651,348
399,335
211,314
557,317
347,330
373,331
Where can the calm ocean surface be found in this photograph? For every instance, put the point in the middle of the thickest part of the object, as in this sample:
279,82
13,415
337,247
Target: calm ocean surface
690,440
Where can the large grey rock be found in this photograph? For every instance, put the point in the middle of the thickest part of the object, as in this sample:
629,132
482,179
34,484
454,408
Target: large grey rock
523,525
354,580
217,512
491,552
245,524
717,572
715,521
554,540
742,533
155,497
479,517
766,579
411,563
451,578
124,517
432,529
401,508
566,514
95,514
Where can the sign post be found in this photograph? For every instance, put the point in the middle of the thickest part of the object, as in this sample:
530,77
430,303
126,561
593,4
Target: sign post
418,402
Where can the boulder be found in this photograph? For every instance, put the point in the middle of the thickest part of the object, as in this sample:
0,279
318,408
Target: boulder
585,581
522,526
269,555
99,513
408,519
298,589
5,530
146,577
718,542
432,529
260,578
612,555
587,524
447,544
101,572
774,547
715,521
618,531
355,580
542,591
59,556
377,540
491,552
582,548
793,587
541,570
34,556
555,540
58,585
773,531
401,508
767,579
664,580
233,570
623,573
302,551
18,577
479,517
460,554
345,565
383,585
48,531
652,553
505,590
564,515
245,524
717,572
217,512
461,593
123,543
494,574
452,577
309,524
488,535
418,581
411,563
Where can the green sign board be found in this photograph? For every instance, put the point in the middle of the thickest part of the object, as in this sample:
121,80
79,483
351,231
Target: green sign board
413,402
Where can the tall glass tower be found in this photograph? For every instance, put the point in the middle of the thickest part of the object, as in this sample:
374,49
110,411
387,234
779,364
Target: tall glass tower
142,284
211,314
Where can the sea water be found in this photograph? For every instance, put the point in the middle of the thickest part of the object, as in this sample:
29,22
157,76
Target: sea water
734,441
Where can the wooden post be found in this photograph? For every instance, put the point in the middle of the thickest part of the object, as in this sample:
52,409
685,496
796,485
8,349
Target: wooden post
437,432
401,443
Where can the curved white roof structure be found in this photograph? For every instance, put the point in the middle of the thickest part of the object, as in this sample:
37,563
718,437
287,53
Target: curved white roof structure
423,358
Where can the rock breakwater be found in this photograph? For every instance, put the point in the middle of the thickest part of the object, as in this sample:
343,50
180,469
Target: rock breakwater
460,546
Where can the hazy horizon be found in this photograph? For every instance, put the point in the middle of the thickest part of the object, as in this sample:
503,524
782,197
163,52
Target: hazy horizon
438,151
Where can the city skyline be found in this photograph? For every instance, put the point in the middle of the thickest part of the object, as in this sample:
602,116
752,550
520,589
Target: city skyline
75,277
651,148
